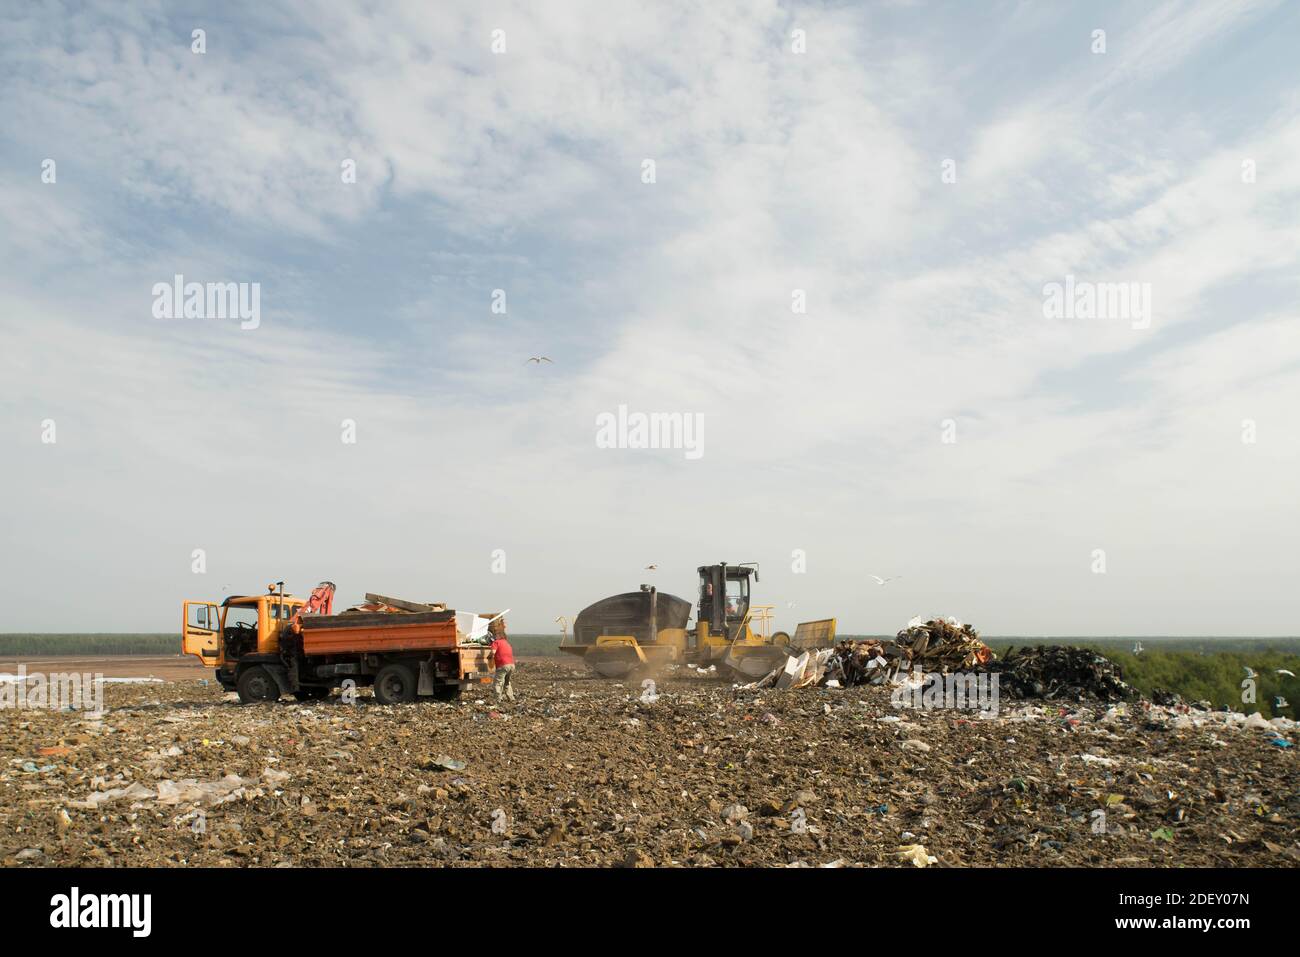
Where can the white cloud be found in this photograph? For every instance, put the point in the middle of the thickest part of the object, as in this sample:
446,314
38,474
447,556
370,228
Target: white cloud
776,172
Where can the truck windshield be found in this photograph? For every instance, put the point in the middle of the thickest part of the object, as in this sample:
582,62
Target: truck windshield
235,614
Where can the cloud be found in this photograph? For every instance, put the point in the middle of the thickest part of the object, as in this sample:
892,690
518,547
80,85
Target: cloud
776,172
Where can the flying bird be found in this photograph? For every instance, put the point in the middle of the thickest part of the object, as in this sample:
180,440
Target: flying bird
1283,671
1250,672
539,359
881,581
651,568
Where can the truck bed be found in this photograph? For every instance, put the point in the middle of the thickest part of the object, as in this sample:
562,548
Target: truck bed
377,632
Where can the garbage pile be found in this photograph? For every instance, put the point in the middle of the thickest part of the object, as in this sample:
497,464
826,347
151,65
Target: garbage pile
1055,671
861,662
936,644
942,644
946,645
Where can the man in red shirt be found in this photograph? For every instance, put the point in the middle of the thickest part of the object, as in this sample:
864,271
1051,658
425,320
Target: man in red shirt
504,658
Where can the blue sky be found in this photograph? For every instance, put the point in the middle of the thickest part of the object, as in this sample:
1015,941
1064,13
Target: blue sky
775,170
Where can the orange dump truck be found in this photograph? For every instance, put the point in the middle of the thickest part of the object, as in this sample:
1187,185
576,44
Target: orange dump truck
265,646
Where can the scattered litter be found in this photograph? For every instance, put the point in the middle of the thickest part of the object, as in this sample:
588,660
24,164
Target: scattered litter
734,813
331,784
917,855
1097,759
446,763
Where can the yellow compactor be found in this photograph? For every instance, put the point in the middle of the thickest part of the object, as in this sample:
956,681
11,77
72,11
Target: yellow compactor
647,629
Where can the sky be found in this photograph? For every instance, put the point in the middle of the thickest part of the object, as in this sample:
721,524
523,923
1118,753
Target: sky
826,235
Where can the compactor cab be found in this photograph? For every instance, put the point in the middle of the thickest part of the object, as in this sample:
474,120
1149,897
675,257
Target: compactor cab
723,611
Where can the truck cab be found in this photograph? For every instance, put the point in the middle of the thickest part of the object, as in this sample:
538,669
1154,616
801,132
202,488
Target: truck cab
240,628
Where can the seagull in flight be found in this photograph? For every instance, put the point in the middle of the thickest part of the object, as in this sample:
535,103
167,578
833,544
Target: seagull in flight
881,581
651,568
1283,671
539,360
1250,672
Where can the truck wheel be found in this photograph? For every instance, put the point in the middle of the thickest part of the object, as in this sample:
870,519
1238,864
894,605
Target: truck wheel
257,684
395,684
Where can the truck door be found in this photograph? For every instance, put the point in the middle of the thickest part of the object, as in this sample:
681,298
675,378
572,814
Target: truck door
202,631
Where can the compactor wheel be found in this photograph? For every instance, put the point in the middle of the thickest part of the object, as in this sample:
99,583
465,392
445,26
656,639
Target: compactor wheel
612,665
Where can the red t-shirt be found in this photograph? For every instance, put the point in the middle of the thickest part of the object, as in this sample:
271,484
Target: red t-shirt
505,655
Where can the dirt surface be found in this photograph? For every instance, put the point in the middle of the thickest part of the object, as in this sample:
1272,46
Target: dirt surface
166,667
581,772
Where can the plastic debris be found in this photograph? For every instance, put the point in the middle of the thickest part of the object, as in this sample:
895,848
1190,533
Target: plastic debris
916,855
648,693
447,763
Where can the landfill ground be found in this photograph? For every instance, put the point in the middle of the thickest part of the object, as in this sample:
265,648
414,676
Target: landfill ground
581,772
166,667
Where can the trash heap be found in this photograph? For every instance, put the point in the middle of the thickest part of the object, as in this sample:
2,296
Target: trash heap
946,645
861,662
1054,671
942,644
935,644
